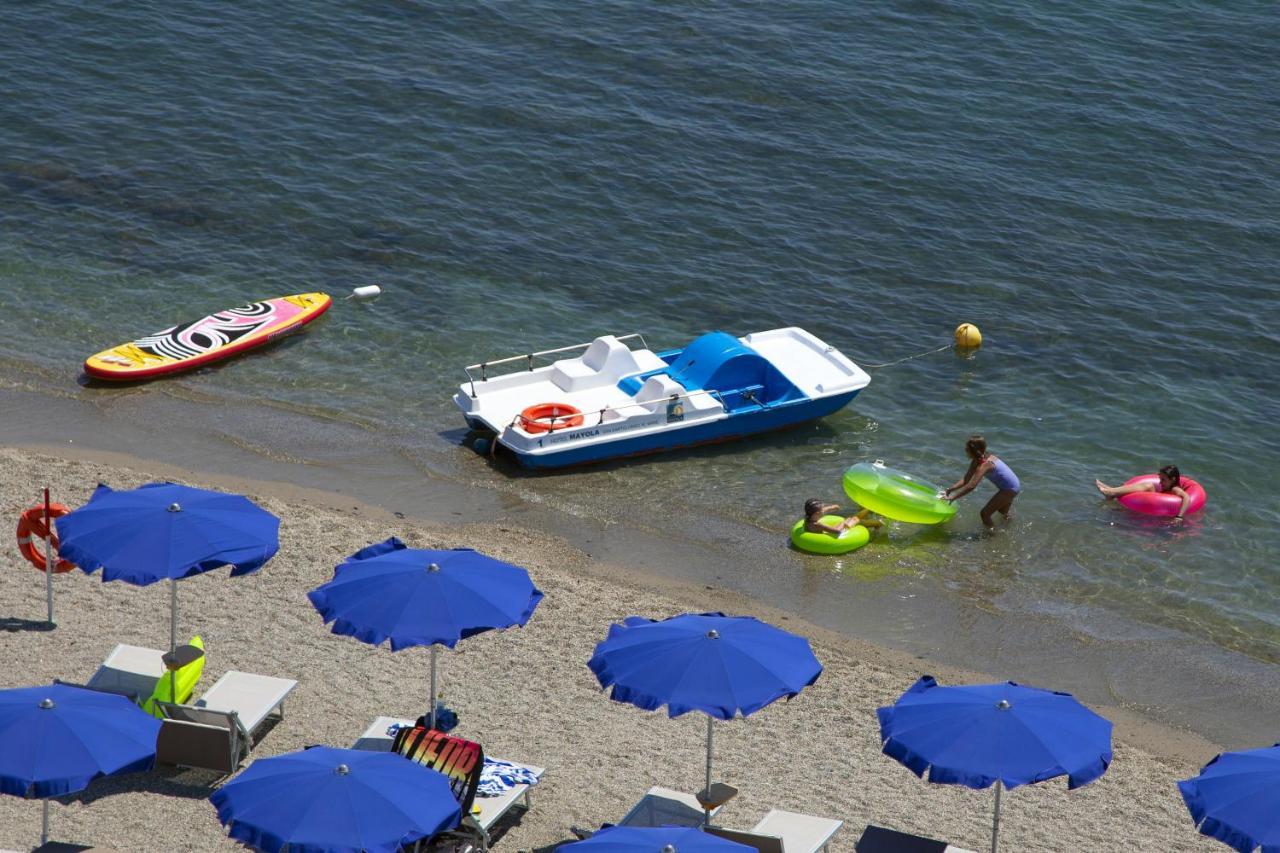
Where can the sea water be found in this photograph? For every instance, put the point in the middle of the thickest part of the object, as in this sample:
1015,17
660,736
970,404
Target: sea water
1093,184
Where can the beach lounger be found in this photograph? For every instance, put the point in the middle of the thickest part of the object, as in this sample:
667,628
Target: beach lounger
665,807
877,839
785,832
136,671
380,734
217,732
486,811
759,843
660,807
129,671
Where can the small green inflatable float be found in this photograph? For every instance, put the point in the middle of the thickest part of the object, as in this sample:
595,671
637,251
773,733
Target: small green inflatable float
825,543
895,494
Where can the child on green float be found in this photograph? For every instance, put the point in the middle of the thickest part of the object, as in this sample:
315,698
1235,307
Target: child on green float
815,509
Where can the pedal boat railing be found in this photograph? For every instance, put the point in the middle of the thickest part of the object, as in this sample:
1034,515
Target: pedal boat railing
528,358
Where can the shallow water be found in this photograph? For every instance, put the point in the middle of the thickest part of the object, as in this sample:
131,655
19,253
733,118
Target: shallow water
1092,184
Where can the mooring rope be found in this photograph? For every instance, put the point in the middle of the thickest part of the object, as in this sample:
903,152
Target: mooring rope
907,358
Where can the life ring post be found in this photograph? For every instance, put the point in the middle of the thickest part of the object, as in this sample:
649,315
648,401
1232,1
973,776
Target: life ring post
36,523
48,558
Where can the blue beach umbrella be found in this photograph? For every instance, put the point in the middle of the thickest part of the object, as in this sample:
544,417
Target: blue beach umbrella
720,665
1002,734
655,839
163,531
1236,799
326,800
55,740
415,597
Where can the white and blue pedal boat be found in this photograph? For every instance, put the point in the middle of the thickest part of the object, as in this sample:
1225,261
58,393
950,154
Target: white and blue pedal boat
610,400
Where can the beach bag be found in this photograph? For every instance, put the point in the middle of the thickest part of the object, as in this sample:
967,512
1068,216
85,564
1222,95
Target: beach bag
459,760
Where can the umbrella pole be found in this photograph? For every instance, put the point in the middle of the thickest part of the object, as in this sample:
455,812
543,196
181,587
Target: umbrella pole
995,824
49,559
432,712
173,615
710,735
173,637
44,825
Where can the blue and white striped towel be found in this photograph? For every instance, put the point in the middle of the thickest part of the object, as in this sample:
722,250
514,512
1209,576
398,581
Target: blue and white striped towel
498,776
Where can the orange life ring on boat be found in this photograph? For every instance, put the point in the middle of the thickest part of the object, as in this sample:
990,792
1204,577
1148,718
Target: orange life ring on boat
31,527
549,417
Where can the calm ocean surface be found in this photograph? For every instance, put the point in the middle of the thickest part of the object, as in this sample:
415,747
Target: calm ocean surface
1095,184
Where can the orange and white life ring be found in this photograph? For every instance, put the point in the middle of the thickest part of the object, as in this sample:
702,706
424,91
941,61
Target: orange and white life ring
548,417
31,527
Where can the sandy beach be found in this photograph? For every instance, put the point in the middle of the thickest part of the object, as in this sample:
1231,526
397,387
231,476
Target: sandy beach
526,694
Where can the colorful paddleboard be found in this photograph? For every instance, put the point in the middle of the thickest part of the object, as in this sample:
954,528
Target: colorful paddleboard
213,338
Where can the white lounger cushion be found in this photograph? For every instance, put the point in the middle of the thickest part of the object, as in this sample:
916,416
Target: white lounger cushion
251,696
130,671
377,738
800,833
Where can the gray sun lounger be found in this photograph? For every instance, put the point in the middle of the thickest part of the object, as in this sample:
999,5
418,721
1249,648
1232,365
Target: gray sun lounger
665,807
877,839
785,832
217,732
129,671
487,811
660,807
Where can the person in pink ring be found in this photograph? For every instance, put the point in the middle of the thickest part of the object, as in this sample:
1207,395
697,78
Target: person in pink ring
1169,482
984,464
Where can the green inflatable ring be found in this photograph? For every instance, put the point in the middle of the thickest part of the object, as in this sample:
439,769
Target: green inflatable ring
895,494
825,543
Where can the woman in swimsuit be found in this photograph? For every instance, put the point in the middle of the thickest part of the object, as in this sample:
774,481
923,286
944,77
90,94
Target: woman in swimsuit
984,464
1170,483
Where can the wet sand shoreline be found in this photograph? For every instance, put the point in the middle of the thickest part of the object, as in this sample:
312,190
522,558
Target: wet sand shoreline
977,617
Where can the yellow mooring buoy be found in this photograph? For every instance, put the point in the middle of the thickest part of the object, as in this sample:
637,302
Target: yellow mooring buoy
968,336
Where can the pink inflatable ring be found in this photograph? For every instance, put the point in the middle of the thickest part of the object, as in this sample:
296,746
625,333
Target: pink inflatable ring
1163,503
